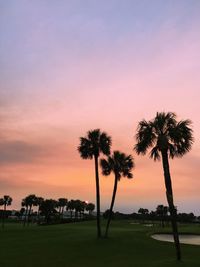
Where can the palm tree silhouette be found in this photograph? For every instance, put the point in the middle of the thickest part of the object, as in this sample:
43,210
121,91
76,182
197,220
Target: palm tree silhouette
71,207
62,203
90,207
38,203
90,147
162,212
5,201
168,139
47,208
121,165
29,202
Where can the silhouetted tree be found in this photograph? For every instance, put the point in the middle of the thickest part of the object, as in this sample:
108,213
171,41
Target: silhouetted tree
90,208
120,165
62,203
79,207
143,212
5,201
162,212
48,208
90,147
38,203
29,202
71,206
167,138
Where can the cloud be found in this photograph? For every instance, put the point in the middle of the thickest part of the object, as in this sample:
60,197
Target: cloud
12,152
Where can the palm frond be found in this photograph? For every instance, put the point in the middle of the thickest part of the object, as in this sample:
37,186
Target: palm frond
145,137
155,153
182,137
106,167
105,143
119,163
85,148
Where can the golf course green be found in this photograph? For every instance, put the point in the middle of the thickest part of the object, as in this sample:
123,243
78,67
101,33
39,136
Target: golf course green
75,245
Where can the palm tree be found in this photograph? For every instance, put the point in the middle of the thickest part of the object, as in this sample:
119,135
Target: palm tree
162,212
143,213
90,147
121,165
62,202
29,202
90,207
71,207
5,201
48,208
38,203
167,138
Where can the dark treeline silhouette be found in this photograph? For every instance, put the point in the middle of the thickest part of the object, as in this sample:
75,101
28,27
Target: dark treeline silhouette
47,210
153,216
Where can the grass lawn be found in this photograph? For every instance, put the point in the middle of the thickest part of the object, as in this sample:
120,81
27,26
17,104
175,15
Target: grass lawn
75,245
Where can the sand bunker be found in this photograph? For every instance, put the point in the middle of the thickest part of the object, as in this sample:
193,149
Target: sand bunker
184,239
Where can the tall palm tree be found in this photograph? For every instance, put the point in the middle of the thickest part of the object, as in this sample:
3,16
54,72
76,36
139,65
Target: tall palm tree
167,138
5,201
90,147
120,165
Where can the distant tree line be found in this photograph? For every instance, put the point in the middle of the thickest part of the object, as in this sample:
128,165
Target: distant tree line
47,210
161,215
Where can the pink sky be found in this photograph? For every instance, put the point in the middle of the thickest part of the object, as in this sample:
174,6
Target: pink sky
66,73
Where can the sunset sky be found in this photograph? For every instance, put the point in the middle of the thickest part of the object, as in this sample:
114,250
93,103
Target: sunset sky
70,66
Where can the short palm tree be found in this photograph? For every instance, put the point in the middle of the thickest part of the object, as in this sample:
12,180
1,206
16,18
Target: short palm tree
162,212
167,138
29,202
91,146
5,201
90,207
120,165
71,207
62,203
38,203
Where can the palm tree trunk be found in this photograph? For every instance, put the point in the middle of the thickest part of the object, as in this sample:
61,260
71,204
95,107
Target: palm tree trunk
111,205
97,197
29,213
3,219
172,209
25,216
38,214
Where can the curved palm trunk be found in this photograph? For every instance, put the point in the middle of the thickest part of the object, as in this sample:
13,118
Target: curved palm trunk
97,197
172,210
111,205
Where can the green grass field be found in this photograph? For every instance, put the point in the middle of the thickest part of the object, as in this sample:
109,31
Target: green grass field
75,245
